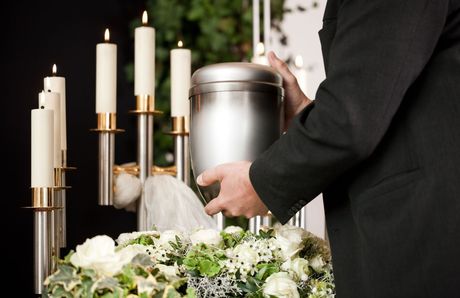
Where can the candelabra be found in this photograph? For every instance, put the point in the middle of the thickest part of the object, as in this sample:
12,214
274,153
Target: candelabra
50,228
145,112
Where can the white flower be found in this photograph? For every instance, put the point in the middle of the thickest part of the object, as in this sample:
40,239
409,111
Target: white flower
290,239
167,236
206,236
123,238
97,253
126,254
246,253
169,271
317,264
233,230
280,285
299,266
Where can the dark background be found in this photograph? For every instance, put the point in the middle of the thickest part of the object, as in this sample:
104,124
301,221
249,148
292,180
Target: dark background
34,35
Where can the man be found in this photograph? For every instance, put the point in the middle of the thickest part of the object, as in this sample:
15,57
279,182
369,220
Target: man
381,141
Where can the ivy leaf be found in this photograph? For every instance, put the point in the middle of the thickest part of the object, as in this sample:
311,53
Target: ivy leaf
66,275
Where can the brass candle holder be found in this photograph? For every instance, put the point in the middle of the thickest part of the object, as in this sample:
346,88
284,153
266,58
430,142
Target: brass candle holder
106,127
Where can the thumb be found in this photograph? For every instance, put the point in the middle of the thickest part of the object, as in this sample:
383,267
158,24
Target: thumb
210,176
281,66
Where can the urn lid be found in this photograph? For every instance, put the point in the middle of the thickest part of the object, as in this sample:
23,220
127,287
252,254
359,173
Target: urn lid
236,71
233,76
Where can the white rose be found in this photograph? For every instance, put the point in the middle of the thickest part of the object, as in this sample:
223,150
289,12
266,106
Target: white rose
317,264
233,230
206,236
299,266
280,285
167,270
97,253
290,239
126,254
123,238
167,236
245,253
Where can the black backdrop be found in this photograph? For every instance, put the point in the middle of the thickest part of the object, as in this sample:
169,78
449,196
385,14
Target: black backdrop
34,35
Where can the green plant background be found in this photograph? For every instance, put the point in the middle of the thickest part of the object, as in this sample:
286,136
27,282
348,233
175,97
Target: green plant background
215,31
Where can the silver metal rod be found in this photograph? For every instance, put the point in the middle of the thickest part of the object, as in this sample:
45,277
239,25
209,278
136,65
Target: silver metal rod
63,214
303,217
297,219
63,211
42,249
220,221
56,223
106,161
255,224
267,220
145,161
182,158
53,239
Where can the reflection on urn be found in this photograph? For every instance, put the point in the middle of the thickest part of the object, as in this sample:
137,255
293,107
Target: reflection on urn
236,114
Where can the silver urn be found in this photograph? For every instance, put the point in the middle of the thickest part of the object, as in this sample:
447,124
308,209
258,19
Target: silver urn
236,114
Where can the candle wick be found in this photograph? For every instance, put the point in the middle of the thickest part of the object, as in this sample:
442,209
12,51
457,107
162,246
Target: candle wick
42,107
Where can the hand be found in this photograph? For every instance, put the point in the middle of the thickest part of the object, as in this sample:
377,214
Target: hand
237,196
295,99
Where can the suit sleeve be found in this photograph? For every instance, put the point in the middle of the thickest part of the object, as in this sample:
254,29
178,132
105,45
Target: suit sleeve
379,49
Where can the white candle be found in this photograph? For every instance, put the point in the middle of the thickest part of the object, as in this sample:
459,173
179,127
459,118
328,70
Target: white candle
144,59
267,25
255,25
106,76
260,57
52,101
301,74
41,146
57,84
180,81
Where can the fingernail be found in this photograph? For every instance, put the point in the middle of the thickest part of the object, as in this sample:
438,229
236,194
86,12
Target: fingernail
199,179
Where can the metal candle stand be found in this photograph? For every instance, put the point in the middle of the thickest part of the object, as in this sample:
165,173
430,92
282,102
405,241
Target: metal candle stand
50,228
180,134
106,127
145,110
43,207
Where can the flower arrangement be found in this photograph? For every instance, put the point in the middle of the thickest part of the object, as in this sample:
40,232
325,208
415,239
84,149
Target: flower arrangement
284,261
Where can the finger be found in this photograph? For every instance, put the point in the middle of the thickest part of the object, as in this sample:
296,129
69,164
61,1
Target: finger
214,206
281,67
210,176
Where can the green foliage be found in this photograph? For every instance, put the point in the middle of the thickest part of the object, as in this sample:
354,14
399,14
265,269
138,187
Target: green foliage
231,240
204,260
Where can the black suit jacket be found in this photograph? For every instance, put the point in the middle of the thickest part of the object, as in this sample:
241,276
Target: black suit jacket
382,142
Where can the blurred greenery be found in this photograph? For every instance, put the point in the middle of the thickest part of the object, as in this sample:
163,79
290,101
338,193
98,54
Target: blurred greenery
215,31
